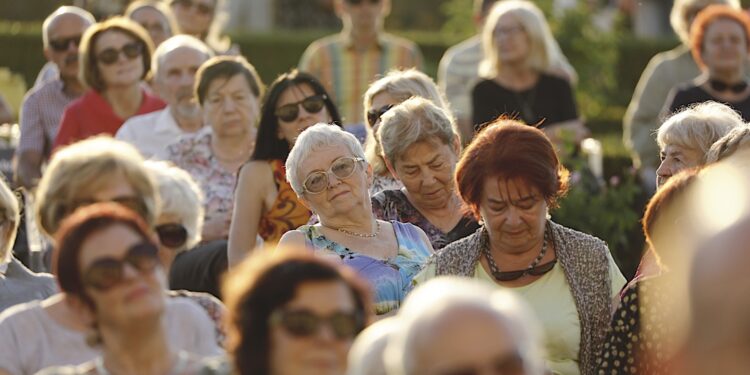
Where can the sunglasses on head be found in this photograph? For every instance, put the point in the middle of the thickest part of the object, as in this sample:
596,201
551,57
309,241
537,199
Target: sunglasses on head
61,45
374,115
110,55
105,273
202,8
311,104
316,182
172,235
507,364
304,323
358,2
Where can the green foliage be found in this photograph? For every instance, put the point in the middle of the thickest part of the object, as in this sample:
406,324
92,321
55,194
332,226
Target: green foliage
459,18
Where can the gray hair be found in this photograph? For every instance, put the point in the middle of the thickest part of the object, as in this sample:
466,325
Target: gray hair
737,138
176,42
683,9
9,209
63,10
442,296
180,196
313,139
697,127
366,353
414,120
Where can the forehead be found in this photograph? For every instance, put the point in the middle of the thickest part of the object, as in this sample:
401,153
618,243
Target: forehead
505,189
425,151
112,241
322,297
66,24
147,13
232,84
724,25
295,93
183,56
324,156
112,38
508,20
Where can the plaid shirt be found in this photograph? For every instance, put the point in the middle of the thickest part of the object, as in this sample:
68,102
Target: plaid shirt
346,71
42,109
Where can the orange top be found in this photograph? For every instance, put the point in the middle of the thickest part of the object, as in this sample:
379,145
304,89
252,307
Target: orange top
287,212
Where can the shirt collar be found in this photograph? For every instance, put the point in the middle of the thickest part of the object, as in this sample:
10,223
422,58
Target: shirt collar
166,123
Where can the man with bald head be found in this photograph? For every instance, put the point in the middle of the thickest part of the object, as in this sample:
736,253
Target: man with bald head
44,104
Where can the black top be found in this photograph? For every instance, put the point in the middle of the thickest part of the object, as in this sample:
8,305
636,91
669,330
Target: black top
200,269
689,93
551,100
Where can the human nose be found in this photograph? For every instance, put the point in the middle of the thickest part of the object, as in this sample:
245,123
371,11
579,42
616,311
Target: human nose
228,105
664,170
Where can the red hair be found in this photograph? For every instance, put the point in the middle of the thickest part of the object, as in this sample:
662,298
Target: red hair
705,18
664,200
510,149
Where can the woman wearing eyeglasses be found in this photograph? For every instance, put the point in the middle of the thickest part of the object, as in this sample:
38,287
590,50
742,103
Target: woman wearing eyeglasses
382,95
115,59
203,20
328,172
265,203
108,267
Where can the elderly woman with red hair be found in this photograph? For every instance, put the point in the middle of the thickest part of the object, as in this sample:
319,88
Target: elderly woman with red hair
510,177
719,42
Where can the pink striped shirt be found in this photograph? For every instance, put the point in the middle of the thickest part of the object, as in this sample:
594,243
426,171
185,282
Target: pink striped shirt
40,116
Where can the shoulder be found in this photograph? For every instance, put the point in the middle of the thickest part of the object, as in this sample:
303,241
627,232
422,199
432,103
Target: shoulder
295,238
44,90
183,308
323,43
397,41
553,81
257,170
24,312
190,143
578,241
151,101
486,85
460,248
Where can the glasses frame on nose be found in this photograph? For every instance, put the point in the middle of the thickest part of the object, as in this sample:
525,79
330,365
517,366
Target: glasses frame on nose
359,2
172,235
62,45
290,111
107,272
304,323
331,170
375,114
200,7
110,56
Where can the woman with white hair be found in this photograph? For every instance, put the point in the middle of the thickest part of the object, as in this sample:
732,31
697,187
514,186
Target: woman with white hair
451,325
522,73
737,139
334,184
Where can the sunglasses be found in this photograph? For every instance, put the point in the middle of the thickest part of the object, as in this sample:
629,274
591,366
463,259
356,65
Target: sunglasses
358,2
172,235
202,8
311,104
508,364
373,115
110,55
105,273
304,323
61,45
316,182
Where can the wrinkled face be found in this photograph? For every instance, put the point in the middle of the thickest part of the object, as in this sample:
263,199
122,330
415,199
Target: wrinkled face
154,22
468,341
675,158
138,295
64,37
724,45
320,352
125,70
426,170
364,15
295,95
514,212
230,107
511,40
194,16
176,77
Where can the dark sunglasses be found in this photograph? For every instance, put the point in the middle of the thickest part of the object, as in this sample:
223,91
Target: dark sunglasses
304,323
311,104
509,364
61,45
535,271
357,2
202,8
172,235
110,55
106,273
373,115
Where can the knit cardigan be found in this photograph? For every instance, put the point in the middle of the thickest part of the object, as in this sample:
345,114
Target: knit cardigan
584,261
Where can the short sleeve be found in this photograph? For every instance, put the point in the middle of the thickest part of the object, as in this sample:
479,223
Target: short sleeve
9,347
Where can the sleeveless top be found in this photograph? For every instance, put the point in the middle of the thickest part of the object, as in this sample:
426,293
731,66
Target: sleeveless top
287,212
391,279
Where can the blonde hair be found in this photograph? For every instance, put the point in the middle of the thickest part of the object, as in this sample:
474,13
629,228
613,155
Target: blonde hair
77,171
401,85
683,9
9,211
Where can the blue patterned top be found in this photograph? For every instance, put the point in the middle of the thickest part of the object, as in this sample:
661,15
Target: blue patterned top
390,278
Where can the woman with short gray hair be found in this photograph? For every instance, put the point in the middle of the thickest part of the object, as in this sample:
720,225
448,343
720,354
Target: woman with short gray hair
334,184
421,148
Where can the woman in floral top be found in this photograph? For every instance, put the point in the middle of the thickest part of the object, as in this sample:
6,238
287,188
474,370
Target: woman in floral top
228,90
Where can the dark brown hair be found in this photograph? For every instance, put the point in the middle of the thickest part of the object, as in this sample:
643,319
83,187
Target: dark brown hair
226,67
705,18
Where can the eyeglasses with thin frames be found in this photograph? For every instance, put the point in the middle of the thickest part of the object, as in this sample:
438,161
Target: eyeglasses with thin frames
318,181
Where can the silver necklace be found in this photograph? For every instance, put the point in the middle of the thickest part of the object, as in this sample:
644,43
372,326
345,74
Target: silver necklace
355,234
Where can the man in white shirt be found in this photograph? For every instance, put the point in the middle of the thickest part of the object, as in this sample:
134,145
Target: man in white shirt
175,62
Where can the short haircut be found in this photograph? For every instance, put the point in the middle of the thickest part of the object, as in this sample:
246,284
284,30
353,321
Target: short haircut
78,170
737,138
226,67
707,17
158,6
65,9
267,281
76,229
414,120
10,218
401,85
666,203
313,139
180,196
176,42
268,146
443,297
684,10
697,127
89,71
508,149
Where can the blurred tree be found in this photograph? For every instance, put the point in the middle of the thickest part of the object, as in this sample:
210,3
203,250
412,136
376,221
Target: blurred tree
33,10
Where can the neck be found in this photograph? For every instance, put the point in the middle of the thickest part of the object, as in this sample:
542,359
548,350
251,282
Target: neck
514,257
362,38
59,309
188,124
360,220
446,208
139,348
517,72
125,100
72,86
728,76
